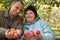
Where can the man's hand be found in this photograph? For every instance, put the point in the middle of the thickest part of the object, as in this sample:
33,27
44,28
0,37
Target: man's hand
10,33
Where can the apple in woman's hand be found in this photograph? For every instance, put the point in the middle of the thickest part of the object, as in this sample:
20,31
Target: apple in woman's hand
38,35
26,34
31,34
37,32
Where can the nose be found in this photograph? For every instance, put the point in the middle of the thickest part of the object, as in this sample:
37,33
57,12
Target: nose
18,11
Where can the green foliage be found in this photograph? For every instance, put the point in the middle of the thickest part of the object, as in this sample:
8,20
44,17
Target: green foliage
2,7
6,2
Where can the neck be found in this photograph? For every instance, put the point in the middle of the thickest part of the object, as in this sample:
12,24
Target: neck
29,22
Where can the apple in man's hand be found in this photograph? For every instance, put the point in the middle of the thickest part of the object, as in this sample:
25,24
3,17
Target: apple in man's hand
15,35
19,32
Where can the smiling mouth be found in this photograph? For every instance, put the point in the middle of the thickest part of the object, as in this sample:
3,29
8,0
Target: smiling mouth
29,18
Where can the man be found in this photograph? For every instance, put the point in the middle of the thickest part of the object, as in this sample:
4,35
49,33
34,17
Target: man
11,23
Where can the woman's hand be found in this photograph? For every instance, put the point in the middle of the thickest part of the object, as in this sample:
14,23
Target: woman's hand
38,35
26,36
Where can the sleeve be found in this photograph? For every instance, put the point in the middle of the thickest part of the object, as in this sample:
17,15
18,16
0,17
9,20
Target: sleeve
20,23
47,32
2,30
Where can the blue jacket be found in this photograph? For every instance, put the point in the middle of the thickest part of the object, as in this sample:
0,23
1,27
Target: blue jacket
43,26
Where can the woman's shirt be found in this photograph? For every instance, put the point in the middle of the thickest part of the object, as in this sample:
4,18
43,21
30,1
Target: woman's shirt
42,26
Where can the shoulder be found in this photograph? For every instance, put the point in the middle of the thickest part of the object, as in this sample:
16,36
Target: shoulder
42,22
1,11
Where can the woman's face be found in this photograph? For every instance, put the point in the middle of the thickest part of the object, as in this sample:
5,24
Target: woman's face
29,16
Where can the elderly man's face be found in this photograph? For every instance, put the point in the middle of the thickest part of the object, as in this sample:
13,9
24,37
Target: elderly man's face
16,8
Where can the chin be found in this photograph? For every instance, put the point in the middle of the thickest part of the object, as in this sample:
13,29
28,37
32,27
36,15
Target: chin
28,20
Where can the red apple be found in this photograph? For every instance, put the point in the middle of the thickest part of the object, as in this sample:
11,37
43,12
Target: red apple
26,34
19,32
15,35
31,33
37,32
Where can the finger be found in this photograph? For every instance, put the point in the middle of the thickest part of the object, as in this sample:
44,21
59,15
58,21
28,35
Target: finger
9,37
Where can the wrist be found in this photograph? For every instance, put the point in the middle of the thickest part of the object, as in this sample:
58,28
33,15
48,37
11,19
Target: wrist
39,37
6,31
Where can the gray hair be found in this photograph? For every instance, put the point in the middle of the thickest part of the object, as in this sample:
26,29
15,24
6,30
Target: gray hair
18,1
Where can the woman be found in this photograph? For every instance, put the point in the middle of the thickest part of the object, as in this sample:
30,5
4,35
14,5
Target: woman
33,23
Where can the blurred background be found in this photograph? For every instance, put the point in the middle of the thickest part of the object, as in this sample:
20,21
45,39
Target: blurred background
48,10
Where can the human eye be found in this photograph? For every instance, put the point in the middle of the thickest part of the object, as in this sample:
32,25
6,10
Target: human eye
17,8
